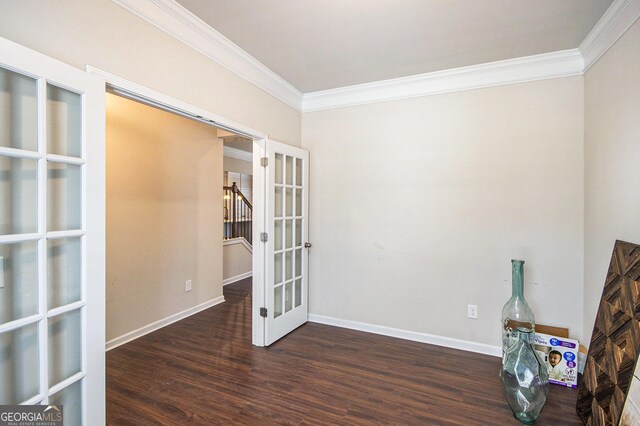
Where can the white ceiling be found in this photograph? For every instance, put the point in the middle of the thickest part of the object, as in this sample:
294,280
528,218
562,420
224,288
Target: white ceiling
324,44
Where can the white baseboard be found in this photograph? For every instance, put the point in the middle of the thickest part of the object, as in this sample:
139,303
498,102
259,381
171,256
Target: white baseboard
237,278
432,339
132,335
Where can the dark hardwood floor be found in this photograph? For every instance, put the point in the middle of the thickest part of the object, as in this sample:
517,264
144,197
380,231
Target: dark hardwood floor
204,370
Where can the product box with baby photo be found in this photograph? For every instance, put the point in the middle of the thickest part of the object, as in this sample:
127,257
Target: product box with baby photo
561,358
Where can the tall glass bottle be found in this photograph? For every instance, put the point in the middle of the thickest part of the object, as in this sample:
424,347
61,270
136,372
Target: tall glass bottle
524,375
516,313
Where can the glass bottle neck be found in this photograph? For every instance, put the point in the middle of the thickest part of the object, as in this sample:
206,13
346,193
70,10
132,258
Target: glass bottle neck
517,281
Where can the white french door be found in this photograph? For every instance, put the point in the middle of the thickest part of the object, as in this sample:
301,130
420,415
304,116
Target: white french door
51,235
287,254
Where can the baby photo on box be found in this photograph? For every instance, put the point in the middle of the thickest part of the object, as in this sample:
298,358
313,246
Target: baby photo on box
560,355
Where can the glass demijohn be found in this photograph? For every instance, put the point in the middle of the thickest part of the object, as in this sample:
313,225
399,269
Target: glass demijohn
524,376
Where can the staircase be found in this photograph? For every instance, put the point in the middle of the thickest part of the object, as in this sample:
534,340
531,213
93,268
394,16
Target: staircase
238,214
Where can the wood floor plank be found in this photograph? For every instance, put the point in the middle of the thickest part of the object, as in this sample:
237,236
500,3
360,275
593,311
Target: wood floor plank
203,370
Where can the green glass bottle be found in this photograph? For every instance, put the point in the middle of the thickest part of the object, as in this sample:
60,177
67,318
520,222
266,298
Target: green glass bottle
523,374
516,313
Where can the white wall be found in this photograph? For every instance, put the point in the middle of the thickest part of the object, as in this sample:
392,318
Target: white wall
238,166
164,187
417,207
612,161
102,34
237,261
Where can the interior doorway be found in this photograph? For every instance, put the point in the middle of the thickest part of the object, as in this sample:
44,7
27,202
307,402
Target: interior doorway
237,207
164,234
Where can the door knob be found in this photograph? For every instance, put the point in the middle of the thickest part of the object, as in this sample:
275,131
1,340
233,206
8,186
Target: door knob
307,245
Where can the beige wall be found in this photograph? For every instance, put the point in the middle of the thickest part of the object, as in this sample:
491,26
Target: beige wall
164,180
612,158
104,35
237,259
417,207
238,166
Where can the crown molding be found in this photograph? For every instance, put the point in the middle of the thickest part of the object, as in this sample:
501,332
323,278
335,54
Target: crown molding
529,68
237,153
178,22
612,25
172,18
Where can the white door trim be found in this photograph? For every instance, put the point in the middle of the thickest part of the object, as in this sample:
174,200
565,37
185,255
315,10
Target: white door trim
259,248
130,89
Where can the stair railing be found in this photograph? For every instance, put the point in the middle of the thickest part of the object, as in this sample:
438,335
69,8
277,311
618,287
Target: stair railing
238,214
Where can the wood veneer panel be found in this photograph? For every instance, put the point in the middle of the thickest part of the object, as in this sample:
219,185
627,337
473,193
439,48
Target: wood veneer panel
615,341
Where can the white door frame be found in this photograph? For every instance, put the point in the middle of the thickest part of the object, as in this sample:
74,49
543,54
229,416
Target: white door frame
159,100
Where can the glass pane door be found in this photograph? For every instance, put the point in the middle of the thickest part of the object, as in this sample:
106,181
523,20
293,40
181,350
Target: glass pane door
43,232
287,254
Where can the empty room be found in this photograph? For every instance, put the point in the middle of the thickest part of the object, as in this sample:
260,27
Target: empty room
319,212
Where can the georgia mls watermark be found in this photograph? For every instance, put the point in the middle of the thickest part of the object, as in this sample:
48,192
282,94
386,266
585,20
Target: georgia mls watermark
31,415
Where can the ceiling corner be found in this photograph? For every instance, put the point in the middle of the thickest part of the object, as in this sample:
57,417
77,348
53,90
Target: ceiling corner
610,27
175,20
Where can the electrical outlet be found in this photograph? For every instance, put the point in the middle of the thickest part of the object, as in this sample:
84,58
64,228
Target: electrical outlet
187,285
472,311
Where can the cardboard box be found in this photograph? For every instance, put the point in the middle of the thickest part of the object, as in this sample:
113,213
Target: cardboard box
560,355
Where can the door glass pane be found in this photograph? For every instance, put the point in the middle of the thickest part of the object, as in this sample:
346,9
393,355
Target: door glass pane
288,296
18,111
289,201
289,171
64,346
298,293
19,376
298,262
64,197
298,202
64,260
298,172
277,268
298,232
71,398
18,195
277,237
278,168
18,280
277,212
277,301
288,265
288,234
64,122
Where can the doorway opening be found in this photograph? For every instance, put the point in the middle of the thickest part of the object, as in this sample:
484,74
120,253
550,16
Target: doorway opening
237,207
164,235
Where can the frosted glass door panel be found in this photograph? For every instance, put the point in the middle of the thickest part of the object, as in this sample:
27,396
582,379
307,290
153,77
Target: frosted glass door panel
64,260
19,365
288,296
71,398
278,302
18,281
278,169
277,241
65,346
298,291
64,202
18,111
18,195
64,122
